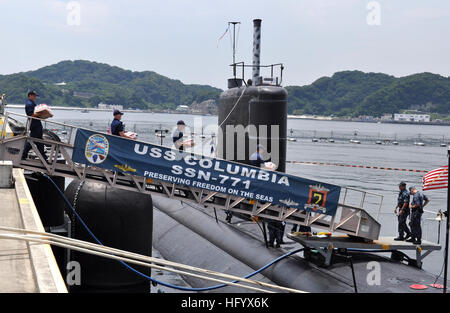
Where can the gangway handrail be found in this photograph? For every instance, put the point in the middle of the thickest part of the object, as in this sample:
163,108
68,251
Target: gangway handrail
427,224
353,220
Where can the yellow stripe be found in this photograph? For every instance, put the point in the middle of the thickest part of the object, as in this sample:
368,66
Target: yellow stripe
24,201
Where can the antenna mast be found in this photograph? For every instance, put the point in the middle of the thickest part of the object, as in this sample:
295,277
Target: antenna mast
234,39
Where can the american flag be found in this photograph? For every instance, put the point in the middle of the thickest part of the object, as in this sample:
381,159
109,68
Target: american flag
436,179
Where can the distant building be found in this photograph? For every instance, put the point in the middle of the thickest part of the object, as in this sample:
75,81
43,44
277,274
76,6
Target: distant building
205,107
183,108
104,106
386,117
366,118
412,117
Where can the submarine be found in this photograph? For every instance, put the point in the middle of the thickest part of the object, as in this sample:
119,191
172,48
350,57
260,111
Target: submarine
192,234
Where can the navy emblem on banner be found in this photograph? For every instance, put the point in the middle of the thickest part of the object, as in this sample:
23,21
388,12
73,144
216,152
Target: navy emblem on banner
317,198
97,147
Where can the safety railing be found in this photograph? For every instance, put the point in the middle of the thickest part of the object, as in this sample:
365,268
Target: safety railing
271,80
432,226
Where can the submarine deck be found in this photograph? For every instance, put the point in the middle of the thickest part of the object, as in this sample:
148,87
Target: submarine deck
25,267
383,243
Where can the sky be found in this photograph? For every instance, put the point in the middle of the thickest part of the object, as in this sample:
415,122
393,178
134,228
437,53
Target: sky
179,38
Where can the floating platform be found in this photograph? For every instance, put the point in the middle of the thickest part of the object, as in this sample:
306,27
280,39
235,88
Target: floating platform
327,245
24,267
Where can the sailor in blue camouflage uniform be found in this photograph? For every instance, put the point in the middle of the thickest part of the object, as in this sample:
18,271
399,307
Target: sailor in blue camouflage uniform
36,129
418,202
403,212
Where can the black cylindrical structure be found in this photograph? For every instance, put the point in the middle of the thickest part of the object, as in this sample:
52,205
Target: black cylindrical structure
269,109
120,219
257,106
233,115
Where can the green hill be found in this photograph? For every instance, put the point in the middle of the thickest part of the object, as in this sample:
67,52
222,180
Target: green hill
354,93
89,83
347,93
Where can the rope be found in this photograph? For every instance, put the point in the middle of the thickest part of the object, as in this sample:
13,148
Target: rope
234,107
104,252
153,279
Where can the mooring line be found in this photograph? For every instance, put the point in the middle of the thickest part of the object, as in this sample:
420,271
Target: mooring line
358,166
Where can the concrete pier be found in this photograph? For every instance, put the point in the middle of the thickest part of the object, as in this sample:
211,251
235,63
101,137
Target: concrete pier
25,267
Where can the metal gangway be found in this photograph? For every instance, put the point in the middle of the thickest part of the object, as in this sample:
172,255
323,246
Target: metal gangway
351,219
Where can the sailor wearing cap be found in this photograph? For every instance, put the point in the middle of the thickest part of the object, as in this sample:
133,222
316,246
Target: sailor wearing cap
177,136
418,202
403,212
36,129
117,127
256,158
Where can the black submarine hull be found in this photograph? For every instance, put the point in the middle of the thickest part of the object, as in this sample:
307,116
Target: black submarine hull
189,234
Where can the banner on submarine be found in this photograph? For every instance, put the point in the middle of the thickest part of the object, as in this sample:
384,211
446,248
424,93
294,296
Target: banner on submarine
165,164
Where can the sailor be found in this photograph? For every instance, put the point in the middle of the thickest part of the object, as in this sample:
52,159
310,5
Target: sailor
177,136
419,201
403,212
276,232
276,228
117,127
256,158
36,129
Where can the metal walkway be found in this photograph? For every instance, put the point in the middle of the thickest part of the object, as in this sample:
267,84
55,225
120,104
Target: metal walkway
349,219
326,246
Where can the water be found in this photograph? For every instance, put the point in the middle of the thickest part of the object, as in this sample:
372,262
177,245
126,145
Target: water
406,155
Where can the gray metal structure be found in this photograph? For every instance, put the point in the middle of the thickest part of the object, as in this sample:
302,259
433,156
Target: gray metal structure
6,176
326,245
256,50
349,219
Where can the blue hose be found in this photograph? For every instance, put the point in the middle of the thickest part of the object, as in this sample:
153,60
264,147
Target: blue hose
153,279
